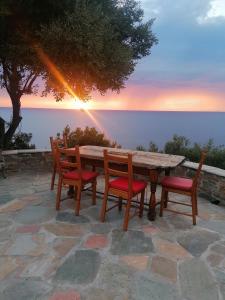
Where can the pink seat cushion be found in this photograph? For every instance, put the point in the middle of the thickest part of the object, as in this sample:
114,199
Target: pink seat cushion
121,183
85,175
179,183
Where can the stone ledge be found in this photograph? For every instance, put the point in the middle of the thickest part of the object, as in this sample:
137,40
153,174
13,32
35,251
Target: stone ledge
205,168
25,151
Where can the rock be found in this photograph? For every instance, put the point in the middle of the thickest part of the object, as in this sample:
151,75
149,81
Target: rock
130,242
80,268
196,281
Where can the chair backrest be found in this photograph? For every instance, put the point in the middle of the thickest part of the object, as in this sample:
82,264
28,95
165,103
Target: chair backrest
68,159
197,174
57,143
114,165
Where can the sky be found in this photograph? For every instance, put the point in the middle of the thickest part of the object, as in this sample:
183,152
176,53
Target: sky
185,71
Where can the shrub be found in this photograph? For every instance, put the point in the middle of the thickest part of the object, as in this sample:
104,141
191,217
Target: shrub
21,140
88,136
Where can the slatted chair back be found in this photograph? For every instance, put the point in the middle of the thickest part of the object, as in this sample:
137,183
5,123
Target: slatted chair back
68,159
197,174
114,162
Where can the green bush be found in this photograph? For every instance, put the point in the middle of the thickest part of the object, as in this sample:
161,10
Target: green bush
88,136
21,140
180,145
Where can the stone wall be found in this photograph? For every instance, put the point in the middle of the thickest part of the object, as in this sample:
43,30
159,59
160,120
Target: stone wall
212,181
212,185
25,160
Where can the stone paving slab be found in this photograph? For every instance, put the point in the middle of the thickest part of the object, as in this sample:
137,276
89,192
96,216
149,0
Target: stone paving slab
51,255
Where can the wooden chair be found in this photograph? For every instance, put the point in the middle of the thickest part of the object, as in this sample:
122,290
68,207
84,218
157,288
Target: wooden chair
123,187
184,186
71,173
57,142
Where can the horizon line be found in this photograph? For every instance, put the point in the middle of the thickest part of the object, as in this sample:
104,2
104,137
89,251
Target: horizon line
105,109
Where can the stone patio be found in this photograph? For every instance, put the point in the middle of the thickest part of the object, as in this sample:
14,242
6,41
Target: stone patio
56,256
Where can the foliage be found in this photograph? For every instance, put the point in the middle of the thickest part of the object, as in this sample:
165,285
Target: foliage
180,145
73,47
21,140
88,136
152,147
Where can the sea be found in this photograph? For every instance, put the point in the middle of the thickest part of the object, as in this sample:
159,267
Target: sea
128,128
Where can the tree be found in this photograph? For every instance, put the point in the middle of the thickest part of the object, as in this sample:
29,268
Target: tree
68,47
88,136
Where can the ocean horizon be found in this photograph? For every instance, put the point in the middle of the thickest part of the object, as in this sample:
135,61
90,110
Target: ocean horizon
128,128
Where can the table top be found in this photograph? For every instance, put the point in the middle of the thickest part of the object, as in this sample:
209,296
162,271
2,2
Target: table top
149,160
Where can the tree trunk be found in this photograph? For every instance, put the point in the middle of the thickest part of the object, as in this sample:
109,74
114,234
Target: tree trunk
15,121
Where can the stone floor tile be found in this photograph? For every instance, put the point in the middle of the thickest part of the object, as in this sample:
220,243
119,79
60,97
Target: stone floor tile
63,245
96,241
22,245
219,249
101,228
144,288
197,242
130,242
80,268
217,226
139,262
66,295
13,206
70,217
164,267
33,228
214,259
64,229
171,250
98,294
196,281
150,229
8,265
116,279
26,289
34,215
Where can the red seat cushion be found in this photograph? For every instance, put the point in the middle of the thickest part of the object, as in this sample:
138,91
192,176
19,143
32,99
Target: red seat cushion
121,183
179,183
85,175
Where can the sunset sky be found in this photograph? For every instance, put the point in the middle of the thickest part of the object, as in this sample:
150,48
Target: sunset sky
185,72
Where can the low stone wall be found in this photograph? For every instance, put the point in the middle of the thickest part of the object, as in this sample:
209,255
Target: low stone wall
25,160
212,184
212,181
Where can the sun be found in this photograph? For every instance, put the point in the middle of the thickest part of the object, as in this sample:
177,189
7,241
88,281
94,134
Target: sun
78,104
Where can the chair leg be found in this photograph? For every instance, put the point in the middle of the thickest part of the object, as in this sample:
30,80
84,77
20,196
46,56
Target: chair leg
53,178
78,196
58,196
104,206
94,183
120,204
193,206
162,203
166,199
127,215
196,203
142,204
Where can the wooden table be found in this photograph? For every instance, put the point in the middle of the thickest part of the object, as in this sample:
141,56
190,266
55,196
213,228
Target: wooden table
144,163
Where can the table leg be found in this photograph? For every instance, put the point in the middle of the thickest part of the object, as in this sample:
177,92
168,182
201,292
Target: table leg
154,175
